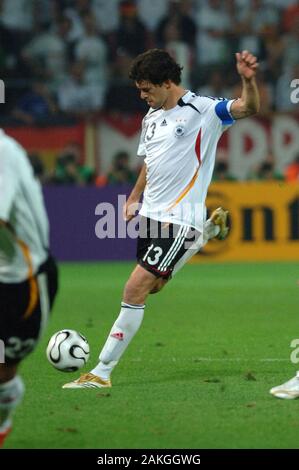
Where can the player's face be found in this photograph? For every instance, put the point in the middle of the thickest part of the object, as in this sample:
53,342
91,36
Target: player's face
154,95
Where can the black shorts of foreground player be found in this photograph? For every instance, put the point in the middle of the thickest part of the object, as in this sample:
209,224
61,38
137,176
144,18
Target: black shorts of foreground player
178,143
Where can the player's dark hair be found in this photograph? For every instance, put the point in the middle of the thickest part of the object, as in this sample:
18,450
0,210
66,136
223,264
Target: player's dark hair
155,66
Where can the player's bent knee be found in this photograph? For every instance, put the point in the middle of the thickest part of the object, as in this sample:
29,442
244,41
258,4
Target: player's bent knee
155,290
139,285
133,293
159,286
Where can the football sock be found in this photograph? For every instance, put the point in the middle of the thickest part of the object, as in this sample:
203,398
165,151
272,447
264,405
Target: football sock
11,394
121,334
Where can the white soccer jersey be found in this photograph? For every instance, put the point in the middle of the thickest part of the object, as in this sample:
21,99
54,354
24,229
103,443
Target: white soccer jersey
24,241
179,146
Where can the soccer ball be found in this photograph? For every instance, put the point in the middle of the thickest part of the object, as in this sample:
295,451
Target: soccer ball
68,350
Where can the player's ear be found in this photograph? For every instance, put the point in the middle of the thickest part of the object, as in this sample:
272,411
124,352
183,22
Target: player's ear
167,84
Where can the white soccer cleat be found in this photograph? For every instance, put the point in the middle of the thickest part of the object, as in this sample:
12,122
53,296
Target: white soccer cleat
289,390
219,217
88,380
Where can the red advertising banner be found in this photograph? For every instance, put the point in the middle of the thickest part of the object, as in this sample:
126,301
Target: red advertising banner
47,142
245,145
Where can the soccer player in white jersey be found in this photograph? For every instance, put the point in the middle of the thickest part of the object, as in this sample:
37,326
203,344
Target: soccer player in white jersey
179,138
28,274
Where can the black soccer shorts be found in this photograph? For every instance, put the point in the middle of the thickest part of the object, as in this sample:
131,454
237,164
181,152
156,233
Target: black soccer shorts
161,245
24,311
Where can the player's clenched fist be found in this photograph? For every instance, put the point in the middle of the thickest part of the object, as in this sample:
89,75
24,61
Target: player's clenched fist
247,64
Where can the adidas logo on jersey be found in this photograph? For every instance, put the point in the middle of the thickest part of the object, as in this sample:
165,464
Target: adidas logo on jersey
164,123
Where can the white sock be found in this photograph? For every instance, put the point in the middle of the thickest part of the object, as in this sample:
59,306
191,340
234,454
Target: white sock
121,334
11,393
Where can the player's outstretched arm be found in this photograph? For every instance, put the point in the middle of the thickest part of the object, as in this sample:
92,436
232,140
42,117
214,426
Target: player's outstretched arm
249,103
129,210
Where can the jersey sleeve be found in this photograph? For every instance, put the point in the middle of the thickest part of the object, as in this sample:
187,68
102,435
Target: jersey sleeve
141,145
217,110
8,183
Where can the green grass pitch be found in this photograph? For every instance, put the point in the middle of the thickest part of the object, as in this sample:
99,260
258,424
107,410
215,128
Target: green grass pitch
196,375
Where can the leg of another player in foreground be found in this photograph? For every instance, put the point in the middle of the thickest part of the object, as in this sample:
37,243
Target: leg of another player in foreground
11,393
288,390
140,284
18,331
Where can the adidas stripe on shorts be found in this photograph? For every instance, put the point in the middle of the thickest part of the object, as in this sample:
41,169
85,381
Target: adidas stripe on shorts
161,246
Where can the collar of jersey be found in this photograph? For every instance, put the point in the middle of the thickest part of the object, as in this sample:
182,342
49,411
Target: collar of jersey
184,98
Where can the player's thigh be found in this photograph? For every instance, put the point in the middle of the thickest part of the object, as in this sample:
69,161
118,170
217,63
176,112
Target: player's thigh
167,249
160,283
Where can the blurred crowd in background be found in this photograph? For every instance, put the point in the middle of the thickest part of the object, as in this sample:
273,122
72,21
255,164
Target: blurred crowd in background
69,170
63,60
71,57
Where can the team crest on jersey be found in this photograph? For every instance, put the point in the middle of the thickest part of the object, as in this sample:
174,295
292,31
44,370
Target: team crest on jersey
179,131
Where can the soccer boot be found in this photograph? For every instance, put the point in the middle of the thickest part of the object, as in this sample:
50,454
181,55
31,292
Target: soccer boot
219,217
289,390
88,380
3,436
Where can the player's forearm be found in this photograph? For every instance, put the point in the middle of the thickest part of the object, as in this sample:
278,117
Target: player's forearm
250,95
140,184
249,103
